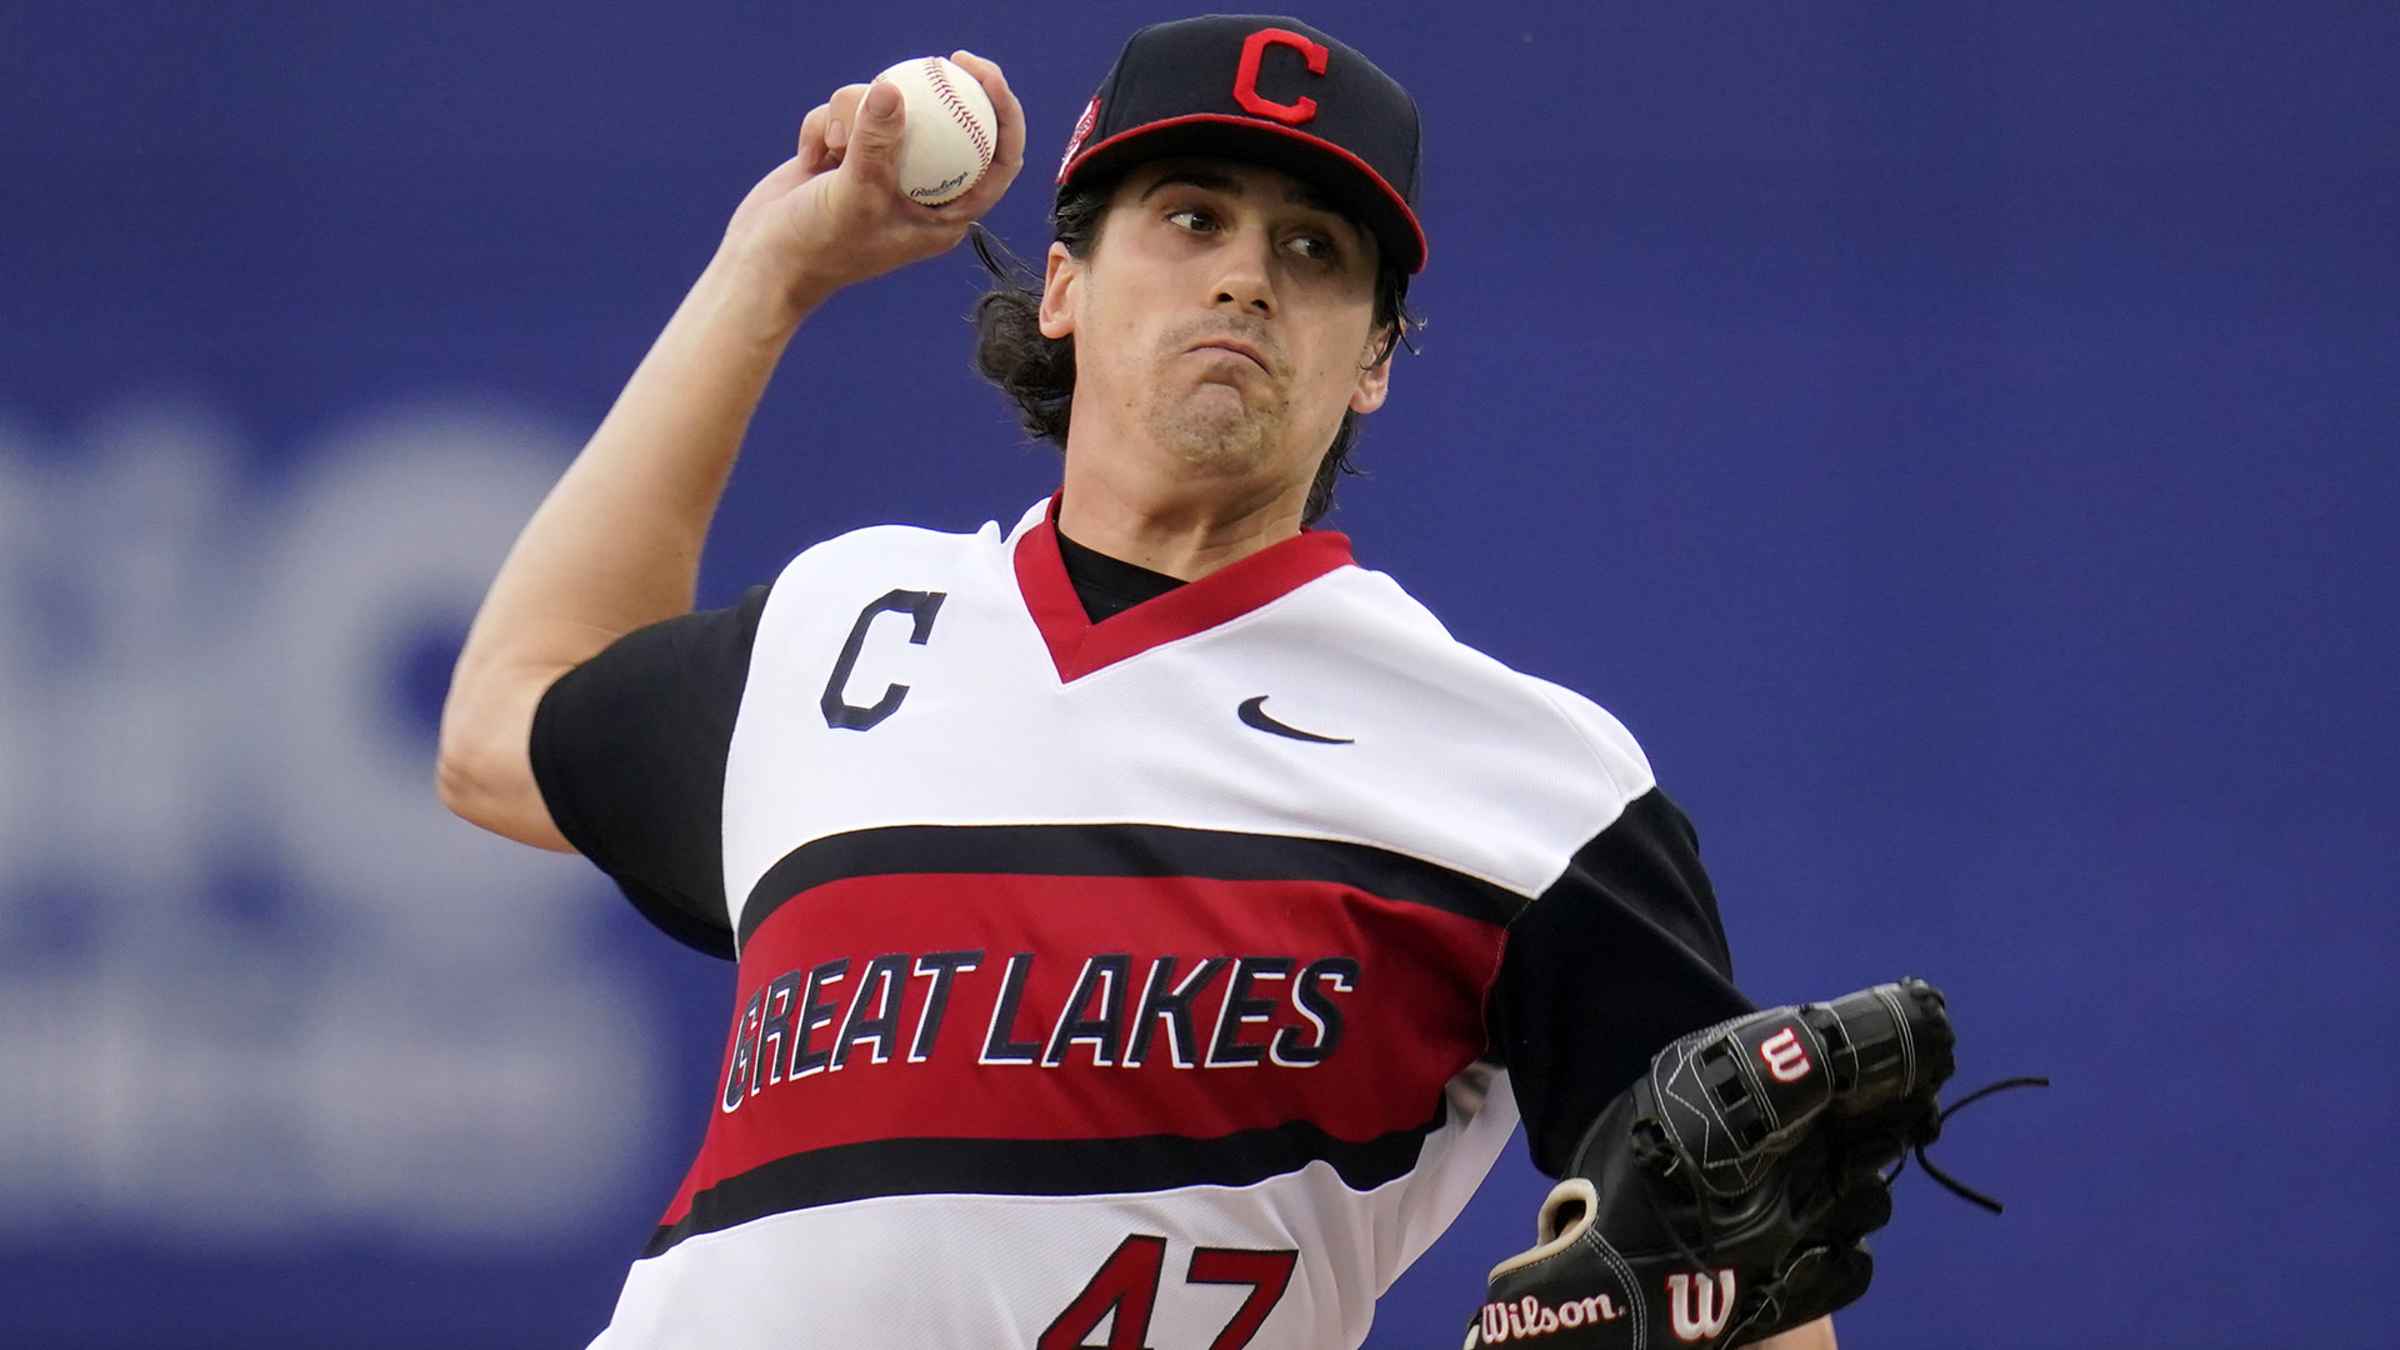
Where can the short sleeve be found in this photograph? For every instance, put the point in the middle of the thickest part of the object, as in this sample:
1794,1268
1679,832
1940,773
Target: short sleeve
629,750
1622,954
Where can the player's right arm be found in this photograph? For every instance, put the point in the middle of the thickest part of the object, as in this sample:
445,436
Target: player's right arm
616,544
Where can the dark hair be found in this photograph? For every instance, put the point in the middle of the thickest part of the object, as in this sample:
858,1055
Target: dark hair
1038,372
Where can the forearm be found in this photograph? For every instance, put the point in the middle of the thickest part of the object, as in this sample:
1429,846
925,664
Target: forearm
1817,1335
616,545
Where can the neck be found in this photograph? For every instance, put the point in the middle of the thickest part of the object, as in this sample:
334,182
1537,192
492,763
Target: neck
1185,528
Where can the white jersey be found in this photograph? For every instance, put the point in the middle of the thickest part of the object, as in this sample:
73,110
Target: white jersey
1170,981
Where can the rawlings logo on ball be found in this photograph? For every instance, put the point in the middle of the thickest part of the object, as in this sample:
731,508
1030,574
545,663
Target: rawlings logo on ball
950,129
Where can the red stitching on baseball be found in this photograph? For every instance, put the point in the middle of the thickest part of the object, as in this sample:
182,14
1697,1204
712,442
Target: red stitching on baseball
958,110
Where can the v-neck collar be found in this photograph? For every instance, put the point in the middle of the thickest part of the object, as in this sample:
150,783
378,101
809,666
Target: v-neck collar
1078,646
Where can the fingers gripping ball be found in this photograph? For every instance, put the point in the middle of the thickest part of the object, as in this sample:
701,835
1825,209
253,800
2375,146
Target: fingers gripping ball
950,131
1724,1196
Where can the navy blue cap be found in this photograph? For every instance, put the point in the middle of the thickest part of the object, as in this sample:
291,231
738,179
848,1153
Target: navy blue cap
1265,90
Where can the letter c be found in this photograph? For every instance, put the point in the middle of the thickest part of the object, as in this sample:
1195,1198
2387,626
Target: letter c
840,713
1245,82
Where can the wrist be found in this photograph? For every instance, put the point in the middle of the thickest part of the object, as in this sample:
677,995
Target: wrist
766,297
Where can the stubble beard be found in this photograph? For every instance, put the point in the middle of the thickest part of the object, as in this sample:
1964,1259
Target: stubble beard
1215,427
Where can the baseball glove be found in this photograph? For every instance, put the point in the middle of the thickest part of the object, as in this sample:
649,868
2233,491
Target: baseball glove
1725,1196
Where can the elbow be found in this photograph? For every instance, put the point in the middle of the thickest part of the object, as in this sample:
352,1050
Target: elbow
483,767
467,771
475,790
453,757
457,783
452,784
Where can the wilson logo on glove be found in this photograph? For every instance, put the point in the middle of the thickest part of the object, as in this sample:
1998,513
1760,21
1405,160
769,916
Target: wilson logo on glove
1529,1317
1700,1307
1785,1057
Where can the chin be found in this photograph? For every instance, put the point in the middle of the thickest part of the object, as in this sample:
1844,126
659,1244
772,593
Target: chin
1215,443
1221,435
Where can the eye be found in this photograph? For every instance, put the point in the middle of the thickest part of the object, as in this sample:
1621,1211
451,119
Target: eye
1317,248
1201,220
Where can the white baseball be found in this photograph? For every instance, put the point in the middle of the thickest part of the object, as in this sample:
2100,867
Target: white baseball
950,131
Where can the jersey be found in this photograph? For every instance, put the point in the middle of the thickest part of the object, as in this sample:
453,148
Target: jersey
1170,981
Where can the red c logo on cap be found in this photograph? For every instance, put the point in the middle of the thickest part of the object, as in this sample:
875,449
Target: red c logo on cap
1245,83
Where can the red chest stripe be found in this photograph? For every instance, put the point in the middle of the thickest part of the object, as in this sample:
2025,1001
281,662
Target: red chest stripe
1007,1021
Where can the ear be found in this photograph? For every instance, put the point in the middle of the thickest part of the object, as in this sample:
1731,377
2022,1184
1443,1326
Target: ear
1374,382
1062,272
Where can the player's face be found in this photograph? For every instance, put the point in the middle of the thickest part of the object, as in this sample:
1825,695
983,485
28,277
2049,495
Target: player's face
1224,317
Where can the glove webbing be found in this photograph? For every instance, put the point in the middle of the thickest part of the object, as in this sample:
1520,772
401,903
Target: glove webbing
1917,1145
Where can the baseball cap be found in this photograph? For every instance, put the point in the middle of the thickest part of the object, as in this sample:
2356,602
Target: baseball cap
1265,90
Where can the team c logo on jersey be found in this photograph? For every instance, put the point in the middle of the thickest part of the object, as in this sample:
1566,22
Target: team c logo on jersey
1205,1012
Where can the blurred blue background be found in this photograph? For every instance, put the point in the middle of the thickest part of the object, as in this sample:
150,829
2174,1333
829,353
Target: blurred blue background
1959,440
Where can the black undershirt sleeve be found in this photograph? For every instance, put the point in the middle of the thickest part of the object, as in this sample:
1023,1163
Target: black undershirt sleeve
1624,953
629,750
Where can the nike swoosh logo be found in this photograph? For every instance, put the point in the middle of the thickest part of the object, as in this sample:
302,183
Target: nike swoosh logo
1254,714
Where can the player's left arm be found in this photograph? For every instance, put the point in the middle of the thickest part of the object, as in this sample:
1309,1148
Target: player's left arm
1622,954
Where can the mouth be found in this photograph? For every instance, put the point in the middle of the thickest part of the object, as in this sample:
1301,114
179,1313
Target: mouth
1238,348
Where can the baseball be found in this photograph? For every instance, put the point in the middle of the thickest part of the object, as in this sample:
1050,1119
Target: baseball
950,129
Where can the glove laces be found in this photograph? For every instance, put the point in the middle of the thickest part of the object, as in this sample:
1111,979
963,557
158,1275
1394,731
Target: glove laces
1948,1182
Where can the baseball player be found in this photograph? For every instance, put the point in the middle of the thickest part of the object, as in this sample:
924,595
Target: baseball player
1148,923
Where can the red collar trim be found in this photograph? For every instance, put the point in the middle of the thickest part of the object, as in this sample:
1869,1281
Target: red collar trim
1078,646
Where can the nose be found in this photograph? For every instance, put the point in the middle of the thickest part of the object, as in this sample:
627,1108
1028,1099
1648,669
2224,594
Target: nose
1245,280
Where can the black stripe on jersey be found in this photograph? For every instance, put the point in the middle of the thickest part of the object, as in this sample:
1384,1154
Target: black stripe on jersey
883,1167
1122,851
